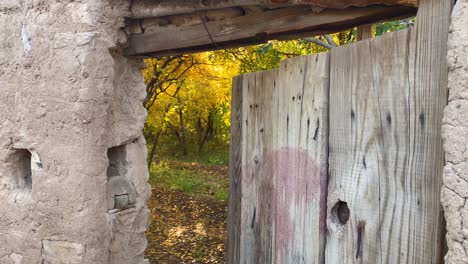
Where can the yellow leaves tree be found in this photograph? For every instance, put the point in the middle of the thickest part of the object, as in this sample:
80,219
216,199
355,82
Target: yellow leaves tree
188,100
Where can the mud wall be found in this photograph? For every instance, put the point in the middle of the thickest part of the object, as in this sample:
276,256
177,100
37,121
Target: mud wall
455,133
73,179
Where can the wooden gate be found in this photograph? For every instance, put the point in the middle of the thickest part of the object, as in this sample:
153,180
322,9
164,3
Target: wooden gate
337,157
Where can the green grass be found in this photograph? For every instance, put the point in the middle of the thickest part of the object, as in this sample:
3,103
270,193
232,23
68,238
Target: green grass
220,157
214,154
196,181
222,195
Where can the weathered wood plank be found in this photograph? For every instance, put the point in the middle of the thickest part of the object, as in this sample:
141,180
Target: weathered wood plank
428,100
253,112
153,8
301,159
386,158
355,151
284,164
235,173
255,217
264,107
256,28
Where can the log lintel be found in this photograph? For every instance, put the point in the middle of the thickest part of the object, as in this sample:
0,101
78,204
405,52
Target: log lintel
235,27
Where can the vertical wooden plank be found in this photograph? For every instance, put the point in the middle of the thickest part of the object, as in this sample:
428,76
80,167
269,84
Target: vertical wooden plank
249,179
266,105
284,161
313,139
428,98
300,159
257,185
386,158
235,174
355,147
396,180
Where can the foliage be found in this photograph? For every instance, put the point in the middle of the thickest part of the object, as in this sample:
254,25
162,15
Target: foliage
214,154
391,26
192,178
191,105
269,55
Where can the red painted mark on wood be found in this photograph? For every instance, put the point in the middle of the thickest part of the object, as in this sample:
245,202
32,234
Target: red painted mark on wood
289,182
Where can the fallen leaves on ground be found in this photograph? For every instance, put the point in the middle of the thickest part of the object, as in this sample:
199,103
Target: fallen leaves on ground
186,228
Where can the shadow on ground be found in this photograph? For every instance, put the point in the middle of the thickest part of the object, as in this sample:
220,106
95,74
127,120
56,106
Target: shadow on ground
186,227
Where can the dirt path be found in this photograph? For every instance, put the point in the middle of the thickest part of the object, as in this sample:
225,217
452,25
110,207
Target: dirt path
186,228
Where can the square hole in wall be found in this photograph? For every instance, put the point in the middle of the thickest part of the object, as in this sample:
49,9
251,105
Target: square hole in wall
20,168
120,192
117,162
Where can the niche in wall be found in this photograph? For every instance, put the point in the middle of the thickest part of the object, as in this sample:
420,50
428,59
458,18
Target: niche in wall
16,172
120,191
20,167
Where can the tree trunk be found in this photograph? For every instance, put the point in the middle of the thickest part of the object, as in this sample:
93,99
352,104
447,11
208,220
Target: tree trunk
364,32
208,133
182,138
153,148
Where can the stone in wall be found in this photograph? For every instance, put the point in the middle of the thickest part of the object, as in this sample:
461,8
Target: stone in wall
60,251
455,134
67,96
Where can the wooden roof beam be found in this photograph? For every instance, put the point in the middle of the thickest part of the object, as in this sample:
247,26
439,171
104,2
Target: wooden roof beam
256,28
157,8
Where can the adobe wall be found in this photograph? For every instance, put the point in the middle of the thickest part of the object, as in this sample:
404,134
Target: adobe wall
73,177
455,133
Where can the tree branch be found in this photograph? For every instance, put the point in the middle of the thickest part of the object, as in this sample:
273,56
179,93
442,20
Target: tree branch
318,42
330,40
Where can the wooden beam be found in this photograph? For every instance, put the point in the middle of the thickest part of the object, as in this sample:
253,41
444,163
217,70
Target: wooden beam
153,8
285,23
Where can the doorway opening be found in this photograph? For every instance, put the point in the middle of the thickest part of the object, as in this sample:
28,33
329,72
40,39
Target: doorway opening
188,132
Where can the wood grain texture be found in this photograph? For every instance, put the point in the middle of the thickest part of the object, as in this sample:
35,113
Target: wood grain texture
367,148
284,164
301,160
235,174
429,60
256,219
153,8
387,97
284,23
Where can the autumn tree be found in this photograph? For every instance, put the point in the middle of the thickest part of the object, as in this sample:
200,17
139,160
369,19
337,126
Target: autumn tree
187,99
164,78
